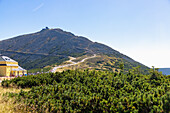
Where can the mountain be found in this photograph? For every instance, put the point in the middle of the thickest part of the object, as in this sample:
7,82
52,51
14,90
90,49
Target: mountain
54,46
165,71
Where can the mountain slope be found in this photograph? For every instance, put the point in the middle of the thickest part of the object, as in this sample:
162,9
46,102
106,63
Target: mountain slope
51,46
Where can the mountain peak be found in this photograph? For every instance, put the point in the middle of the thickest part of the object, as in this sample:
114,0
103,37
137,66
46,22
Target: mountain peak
44,29
50,46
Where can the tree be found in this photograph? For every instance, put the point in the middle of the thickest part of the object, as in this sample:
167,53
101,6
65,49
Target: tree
121,66
154,73
137,70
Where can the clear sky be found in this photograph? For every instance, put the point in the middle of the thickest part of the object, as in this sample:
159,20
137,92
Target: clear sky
138,28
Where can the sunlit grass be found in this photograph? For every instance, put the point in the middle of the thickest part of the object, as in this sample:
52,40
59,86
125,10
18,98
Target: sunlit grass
8,105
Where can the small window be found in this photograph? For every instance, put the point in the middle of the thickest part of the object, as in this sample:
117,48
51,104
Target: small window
7,59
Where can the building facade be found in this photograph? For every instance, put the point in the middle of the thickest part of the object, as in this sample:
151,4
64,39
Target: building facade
9,67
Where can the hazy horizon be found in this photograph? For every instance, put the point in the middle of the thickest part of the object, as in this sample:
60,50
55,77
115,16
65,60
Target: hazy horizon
138,29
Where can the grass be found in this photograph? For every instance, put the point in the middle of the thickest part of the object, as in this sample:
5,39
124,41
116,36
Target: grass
101,62
9,105
45,69
78,59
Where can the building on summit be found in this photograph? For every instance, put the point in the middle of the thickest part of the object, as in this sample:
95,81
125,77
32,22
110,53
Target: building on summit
9,67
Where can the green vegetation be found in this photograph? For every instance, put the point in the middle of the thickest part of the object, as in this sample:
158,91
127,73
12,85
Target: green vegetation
43,62
7,105
45,69
93,91
104,62
55,46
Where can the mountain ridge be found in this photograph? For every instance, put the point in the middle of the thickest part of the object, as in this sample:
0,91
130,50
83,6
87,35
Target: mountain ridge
54,46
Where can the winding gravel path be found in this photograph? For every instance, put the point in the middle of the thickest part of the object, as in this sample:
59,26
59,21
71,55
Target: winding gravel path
72,63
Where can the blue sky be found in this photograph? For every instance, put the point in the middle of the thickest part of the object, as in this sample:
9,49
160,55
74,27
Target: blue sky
137,28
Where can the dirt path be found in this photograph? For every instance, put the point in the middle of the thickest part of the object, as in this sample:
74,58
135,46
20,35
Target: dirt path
72,63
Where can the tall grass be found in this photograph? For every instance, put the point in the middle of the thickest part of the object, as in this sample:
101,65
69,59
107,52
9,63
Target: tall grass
9,105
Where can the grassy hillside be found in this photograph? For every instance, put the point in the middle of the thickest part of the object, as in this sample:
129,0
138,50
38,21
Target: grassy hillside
93,91
103,62
54,46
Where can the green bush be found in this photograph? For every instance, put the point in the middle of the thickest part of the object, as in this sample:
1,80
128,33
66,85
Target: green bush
94,91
